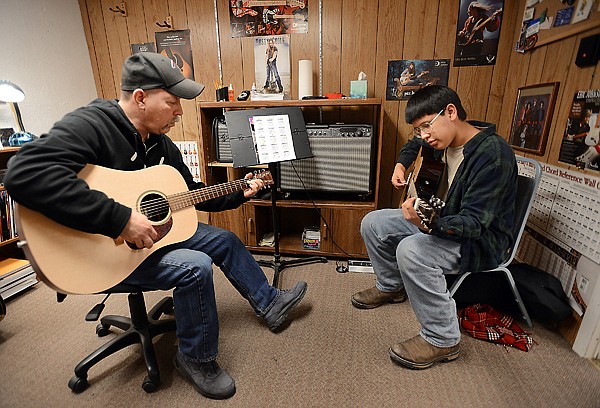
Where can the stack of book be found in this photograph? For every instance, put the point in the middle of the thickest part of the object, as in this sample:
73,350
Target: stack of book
16,275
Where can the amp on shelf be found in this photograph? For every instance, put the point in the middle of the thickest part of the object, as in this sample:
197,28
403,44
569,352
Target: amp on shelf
221,140
343,161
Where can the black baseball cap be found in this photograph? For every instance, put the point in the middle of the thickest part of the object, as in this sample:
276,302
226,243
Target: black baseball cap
149,70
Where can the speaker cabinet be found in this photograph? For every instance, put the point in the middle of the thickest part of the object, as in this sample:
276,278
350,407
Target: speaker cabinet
342,163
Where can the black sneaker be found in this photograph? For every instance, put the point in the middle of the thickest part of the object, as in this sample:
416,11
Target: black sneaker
284,302
208,378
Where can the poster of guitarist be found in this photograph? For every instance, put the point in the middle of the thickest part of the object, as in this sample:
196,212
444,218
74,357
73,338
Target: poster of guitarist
405,77
581,142
477,34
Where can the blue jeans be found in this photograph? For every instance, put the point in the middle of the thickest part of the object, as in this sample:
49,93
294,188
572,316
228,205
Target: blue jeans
403,256
187,267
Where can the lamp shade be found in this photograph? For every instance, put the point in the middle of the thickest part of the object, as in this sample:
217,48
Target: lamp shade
10,92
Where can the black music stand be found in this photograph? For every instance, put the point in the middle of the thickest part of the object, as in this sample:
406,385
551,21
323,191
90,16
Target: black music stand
245,152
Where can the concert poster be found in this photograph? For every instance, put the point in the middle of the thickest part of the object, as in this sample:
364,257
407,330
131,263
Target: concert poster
252,18
477,33
176,45
405,77
581,142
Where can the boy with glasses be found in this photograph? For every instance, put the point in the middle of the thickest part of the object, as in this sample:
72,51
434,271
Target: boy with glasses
472,232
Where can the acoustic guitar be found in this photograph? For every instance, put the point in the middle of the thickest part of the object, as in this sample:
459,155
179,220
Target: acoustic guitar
405,79
71,261
465,38
423,181
179,61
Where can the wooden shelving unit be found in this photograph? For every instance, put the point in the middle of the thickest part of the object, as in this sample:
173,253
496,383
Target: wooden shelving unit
337,219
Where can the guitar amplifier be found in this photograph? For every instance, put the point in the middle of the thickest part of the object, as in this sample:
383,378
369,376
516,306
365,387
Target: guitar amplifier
221,140
343,161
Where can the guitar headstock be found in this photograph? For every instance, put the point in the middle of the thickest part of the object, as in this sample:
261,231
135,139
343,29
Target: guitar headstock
429,210
265,176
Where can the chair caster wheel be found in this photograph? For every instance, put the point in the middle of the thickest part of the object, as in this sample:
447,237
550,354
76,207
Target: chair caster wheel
102,330
78,384
169,308
149,386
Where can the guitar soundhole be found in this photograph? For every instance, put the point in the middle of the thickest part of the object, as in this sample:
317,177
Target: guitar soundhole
155,206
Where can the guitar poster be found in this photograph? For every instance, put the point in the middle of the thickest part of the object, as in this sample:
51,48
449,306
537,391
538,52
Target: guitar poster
251,18
405,77
272,67
176,45
477,33
581,142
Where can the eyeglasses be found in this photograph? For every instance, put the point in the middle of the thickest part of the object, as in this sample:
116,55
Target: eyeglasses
426,126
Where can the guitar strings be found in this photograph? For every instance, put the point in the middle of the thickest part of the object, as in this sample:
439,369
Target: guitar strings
184,199
181,200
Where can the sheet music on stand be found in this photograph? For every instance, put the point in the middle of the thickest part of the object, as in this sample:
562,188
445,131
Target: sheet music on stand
273,138
270,136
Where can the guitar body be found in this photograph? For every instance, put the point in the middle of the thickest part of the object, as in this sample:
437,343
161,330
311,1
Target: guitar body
71,261
407,78
430,173
423,183
179,61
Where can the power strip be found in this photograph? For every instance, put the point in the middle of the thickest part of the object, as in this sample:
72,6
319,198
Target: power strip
360,266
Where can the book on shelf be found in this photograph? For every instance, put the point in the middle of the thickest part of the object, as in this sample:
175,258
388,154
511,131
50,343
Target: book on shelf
8,228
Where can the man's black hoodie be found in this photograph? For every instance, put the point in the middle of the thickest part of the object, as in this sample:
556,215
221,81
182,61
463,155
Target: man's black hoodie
43,174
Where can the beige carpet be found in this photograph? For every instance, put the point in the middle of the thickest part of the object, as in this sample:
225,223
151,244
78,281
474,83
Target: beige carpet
332,355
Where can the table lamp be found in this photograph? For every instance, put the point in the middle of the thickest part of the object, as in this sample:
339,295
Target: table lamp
11,93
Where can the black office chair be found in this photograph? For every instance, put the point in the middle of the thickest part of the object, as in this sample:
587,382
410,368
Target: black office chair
526,189
141,328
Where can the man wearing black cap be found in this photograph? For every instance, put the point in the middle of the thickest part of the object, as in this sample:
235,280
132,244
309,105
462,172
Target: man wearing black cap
129,134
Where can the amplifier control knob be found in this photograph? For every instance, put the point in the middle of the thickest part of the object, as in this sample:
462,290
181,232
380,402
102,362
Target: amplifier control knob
359,133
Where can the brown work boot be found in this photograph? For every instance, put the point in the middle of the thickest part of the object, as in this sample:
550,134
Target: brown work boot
373,297
417,353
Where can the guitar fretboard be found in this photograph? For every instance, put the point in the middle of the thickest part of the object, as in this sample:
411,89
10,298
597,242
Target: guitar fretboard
189,198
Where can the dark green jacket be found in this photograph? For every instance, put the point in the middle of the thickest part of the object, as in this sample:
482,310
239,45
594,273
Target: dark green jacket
479,211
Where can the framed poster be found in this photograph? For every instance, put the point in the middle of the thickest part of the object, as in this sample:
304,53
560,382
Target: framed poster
532,117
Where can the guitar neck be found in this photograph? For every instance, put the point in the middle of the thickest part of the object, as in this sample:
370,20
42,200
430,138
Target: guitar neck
190,198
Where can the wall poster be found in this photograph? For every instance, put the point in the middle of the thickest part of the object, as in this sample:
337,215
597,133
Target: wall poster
581,142
176,45
251,18
477,33
272,66
405,77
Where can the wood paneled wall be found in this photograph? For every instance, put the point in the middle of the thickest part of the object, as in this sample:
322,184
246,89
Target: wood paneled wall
357,35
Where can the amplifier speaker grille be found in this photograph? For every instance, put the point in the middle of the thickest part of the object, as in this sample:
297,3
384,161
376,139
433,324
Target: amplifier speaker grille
221,136
340,164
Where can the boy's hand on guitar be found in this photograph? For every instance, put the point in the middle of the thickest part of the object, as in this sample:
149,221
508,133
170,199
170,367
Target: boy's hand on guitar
409,212
139,231
254,185
398,179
